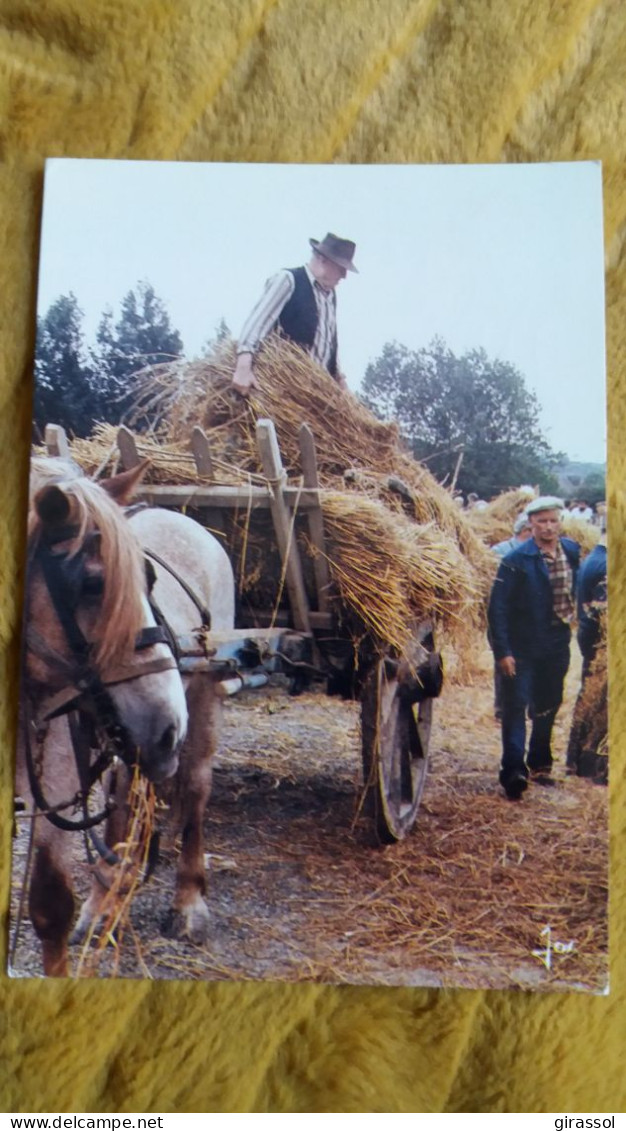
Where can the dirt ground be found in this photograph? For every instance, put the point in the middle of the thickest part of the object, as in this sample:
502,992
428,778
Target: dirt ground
483,893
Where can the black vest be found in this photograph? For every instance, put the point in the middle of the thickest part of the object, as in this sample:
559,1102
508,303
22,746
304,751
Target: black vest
298,318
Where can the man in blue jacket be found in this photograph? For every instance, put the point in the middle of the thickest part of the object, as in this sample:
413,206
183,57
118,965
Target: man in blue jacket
591,599
530,613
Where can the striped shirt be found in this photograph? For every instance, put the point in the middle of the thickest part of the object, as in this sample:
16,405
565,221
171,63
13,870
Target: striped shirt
278,290
561,578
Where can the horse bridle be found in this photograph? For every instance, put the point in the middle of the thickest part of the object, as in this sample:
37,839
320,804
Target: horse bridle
86,698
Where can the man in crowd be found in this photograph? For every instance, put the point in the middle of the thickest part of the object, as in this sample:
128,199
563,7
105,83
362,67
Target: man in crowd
521,533
591,598
530,613
301,304
582,511
599,515
474,503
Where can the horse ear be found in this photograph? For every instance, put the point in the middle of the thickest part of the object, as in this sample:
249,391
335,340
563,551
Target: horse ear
53,505
121,487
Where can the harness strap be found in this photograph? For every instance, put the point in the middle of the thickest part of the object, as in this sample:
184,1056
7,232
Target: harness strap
53,567
35,643
58,704
135,671
62,701
148,637
87,692
193,597
52,813
164,627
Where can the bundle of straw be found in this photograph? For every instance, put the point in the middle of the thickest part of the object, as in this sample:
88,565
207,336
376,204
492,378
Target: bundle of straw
389,572
582,532
170,461
386,572
588,740
495,522
386,516
294,390
113,921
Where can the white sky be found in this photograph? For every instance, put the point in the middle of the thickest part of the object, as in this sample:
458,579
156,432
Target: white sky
507,257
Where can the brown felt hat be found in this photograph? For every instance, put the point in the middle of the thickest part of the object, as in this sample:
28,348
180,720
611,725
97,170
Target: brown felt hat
339,251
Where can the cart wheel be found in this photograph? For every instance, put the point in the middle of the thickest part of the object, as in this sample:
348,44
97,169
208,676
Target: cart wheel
396,717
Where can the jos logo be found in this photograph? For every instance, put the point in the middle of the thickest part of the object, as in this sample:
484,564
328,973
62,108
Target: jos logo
552,947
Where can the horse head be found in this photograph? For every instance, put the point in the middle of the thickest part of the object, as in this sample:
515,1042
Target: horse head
90,626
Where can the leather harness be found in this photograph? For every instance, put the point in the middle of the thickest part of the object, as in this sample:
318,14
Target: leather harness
86,699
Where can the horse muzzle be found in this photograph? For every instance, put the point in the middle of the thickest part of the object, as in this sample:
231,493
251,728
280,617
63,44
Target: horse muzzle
160,761
154,727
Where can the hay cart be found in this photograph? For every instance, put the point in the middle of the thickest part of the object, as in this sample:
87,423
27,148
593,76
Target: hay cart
305,639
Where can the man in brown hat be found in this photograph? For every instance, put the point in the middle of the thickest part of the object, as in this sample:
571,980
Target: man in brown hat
300,303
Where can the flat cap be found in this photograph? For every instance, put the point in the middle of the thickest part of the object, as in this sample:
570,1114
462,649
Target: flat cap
544,503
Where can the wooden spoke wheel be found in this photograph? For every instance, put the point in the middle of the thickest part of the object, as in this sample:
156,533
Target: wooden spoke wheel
396,717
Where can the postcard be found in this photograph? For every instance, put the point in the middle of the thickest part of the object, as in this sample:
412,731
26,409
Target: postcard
314,681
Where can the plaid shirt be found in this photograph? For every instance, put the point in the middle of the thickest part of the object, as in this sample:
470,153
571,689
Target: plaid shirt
561,580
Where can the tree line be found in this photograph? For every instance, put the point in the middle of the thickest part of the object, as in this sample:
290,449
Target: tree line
77,385
471,419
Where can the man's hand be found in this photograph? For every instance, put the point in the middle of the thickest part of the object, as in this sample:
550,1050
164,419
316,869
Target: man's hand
243,378
507,666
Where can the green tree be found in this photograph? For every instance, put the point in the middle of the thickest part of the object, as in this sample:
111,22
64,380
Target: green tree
446,405
593,488
108,386
63,376
142,337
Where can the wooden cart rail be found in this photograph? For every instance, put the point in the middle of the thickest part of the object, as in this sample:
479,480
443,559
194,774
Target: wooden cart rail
277,496
396,695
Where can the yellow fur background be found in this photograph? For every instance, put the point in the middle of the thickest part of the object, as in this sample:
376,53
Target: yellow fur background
304,80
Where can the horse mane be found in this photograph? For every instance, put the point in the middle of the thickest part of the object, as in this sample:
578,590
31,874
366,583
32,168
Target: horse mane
122,613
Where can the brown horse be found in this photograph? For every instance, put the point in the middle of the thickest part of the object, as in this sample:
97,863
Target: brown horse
98,671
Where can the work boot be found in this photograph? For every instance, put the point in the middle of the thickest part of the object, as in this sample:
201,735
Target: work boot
541,775
514,784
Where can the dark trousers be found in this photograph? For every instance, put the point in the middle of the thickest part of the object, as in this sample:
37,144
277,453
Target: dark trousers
537,687
497,691
497,684
588,640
